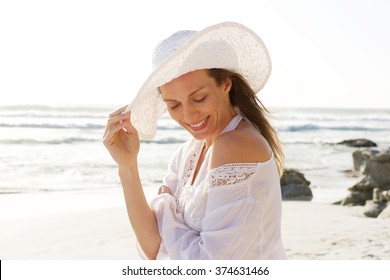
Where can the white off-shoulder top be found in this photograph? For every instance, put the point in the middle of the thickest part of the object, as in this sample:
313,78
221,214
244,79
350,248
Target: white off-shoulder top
230,212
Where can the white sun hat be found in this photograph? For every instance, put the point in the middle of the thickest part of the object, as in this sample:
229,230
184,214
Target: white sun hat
227,45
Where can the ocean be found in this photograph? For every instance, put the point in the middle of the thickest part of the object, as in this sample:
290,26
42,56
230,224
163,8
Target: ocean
59,149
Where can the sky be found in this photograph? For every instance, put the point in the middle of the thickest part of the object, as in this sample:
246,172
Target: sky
325,53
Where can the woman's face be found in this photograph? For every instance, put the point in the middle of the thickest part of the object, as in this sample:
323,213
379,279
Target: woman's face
198,104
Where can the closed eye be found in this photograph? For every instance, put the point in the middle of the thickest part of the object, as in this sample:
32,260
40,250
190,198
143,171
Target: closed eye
200,100
173,107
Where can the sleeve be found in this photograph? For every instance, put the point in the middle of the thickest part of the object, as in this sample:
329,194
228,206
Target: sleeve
170,180
232,219
171,177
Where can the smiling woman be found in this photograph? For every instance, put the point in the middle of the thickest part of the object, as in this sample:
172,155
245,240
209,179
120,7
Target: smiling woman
197,103
221,195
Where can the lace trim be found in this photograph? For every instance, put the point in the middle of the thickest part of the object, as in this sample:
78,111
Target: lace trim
194,200
234,175
190,162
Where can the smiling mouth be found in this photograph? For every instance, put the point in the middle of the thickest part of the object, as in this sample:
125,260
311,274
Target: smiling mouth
200,125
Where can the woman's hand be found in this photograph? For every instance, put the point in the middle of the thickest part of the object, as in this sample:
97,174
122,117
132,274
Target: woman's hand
121,138
164,189
122,141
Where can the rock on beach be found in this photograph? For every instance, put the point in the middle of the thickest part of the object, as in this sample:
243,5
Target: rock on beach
372,191
358,143
295,186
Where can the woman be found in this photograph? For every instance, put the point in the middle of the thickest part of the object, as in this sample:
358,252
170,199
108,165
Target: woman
221,196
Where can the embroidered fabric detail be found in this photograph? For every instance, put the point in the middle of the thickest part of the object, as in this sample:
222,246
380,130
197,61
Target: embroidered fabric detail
233,175
189,166
193,201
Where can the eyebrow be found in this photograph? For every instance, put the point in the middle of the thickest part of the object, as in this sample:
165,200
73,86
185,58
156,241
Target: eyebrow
191,94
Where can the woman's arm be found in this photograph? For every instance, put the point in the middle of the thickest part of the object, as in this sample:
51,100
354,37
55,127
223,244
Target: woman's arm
122,141
141,216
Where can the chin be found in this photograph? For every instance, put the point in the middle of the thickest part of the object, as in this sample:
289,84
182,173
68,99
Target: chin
197,136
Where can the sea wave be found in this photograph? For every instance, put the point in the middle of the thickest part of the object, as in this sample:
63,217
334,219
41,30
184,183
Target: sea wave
313,127
30,141
53,125
288,128
75,126
34,115
169,140
331,118
78,140
46,108
301,142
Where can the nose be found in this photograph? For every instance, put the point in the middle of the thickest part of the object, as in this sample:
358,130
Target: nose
190,114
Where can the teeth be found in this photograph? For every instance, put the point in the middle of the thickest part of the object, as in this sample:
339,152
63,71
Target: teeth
198,124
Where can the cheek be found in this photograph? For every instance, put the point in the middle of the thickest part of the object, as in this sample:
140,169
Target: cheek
174,115
213,104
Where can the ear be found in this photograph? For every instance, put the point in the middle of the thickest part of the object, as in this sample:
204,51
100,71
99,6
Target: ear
227,85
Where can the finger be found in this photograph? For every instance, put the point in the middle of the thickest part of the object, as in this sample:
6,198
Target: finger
129,125
109,138
118,112
112,115
115,120
164,189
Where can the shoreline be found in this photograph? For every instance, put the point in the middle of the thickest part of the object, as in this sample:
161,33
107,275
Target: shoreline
59,226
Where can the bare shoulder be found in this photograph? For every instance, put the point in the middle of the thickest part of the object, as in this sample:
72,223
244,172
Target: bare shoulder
244,144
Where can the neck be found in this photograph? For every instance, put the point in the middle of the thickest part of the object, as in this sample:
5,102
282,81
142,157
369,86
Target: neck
226,121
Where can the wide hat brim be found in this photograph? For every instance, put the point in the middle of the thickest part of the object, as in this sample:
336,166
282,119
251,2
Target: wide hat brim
227,45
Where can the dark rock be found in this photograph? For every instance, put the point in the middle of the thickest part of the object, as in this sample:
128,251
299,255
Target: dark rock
385,214
360,158
374,166
386,195
378,168
295,186
358,143
372,209
366,184
377,196
357,198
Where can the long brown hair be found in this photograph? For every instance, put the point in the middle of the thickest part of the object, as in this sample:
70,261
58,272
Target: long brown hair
242,96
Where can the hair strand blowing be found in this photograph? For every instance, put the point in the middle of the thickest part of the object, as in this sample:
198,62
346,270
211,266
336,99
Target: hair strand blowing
242,96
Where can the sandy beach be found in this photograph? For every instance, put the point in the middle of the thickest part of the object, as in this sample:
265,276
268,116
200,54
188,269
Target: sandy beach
61,226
